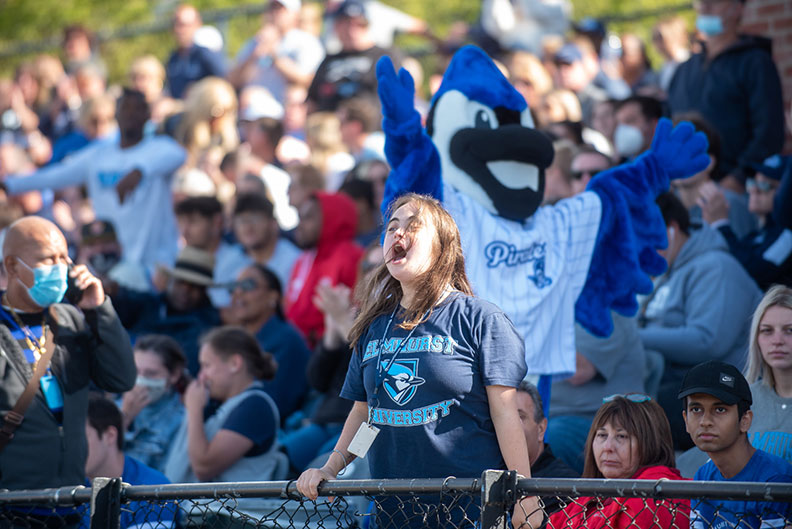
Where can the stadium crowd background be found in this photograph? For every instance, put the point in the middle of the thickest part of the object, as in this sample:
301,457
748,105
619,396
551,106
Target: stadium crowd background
269,169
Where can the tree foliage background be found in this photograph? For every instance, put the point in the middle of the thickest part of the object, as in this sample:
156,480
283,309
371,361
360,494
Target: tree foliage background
39,20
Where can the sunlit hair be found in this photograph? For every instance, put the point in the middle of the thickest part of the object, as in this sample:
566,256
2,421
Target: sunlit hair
90,107
209,99
381,293
229,341
777,296
647,425
323,136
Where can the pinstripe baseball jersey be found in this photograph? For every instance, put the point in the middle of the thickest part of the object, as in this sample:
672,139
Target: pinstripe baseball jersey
534,270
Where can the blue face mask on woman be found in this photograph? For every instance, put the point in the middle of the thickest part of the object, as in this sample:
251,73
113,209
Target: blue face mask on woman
49,283
710,25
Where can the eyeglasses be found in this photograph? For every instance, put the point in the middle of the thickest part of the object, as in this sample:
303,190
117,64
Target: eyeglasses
245,285
760,185
632,397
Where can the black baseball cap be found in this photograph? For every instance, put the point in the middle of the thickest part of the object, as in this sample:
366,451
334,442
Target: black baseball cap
718,379
351,9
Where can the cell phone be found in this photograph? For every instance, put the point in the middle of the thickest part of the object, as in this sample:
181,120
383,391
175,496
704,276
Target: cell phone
73,293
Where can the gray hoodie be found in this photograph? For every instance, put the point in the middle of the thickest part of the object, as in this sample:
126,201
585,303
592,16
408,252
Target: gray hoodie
701,307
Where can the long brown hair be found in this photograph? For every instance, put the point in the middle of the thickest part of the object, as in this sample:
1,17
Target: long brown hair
647,424
381,292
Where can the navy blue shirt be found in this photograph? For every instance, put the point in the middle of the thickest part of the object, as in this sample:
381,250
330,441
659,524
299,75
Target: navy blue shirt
254,418
283,341
198,62
432,407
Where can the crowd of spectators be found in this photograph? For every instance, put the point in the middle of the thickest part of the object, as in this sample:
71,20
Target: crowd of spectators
230,204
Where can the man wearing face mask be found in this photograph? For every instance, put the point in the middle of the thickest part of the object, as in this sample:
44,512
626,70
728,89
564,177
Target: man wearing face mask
699,310
636,119
50,353
734,84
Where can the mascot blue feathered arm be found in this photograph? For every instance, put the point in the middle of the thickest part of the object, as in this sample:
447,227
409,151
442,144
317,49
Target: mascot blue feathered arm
410,152
631,226
480,141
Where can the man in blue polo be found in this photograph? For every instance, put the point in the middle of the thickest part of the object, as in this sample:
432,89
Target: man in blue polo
717,411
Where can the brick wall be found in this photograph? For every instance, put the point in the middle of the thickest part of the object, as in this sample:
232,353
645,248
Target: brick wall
773,19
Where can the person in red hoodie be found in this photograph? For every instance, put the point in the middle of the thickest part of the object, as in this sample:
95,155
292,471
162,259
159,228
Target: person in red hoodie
630,438
326,233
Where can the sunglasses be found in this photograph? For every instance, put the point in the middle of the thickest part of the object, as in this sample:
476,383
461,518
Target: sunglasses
763,186
245,285
632,397
578,175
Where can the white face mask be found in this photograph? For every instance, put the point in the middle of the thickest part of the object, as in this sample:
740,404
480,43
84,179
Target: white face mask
157,387
628,140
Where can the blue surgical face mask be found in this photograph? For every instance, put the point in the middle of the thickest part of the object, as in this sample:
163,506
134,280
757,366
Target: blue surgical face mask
710,25
49,283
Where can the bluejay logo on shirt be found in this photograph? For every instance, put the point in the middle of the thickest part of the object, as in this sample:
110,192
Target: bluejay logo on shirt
500,252
401,380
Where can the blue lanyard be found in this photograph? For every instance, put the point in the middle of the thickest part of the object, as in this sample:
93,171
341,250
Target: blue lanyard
383,372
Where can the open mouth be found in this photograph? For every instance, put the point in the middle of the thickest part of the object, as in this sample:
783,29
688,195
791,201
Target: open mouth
398,253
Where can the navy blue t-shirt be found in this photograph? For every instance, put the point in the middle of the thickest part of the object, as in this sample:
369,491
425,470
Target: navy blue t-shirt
254,418
432,407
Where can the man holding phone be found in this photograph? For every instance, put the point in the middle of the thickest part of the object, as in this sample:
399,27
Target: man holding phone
50,352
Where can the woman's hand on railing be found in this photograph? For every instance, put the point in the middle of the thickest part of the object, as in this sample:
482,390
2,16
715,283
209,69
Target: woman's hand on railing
309,481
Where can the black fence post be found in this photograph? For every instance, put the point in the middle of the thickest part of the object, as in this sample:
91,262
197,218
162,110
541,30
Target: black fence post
106,503
498,496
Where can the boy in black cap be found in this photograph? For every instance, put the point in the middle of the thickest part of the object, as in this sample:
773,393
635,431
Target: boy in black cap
718,415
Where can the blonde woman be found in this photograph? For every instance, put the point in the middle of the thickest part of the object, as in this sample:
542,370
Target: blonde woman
207,129
328,153
769,372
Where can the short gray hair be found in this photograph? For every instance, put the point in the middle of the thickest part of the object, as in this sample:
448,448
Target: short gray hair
530,389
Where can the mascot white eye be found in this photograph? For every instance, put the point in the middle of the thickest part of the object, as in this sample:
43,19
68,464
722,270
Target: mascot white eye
481,117
485,120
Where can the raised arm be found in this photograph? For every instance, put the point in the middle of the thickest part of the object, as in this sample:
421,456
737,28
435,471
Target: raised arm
73,171
411,154
632,228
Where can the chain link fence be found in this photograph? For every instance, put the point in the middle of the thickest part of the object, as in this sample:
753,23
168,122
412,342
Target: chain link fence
485,503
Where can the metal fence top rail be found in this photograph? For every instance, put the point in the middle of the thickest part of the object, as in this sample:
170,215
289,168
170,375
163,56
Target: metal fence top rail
745,491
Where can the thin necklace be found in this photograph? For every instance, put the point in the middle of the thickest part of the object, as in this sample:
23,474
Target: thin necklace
33,343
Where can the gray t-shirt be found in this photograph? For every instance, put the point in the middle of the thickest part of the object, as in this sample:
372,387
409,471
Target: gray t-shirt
771,428
620,362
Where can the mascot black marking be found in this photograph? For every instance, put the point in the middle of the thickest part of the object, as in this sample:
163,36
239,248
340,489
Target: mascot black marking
545,267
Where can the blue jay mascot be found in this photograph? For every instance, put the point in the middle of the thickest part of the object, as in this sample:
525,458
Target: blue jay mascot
546,267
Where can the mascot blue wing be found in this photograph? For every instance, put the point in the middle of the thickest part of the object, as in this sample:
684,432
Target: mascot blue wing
631,228
413,157
416,171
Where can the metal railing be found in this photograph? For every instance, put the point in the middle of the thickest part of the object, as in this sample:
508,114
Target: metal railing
485,503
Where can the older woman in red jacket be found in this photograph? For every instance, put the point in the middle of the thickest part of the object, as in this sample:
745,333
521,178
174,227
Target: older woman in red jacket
630,438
